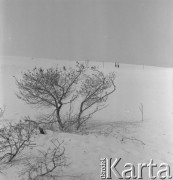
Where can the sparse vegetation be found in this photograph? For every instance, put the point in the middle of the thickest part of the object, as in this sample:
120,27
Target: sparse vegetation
72,94
13,140
48,164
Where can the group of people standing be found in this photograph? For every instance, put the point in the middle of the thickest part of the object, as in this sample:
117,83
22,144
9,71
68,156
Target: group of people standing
117,65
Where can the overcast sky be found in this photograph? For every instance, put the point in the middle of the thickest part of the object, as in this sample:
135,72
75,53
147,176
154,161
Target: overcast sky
129,31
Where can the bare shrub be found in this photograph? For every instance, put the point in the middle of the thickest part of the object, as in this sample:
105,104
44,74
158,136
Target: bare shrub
62,89
47,166
13,140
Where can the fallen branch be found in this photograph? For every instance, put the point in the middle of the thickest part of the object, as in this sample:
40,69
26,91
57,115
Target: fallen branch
133,139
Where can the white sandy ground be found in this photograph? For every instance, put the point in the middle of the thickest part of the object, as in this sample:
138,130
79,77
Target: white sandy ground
117,131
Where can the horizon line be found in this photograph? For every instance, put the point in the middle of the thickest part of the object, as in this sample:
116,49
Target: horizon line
108,61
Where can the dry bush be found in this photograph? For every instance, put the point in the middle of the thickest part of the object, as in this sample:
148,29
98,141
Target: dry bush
48,165
13,140
72,95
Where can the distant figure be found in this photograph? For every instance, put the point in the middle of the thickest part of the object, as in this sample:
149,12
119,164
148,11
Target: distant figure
41,130
117,65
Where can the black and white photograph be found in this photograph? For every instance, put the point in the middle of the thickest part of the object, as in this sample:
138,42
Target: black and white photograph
86,89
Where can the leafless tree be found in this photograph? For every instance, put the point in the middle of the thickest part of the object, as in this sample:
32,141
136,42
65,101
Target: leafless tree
48,164
13,140
95,89
141,108
61,89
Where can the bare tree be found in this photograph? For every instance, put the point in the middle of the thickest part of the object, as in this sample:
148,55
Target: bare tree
141,108
47,165
61,89
95,89
13,140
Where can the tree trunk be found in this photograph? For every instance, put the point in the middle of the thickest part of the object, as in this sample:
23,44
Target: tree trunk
59,120
79,116
78,121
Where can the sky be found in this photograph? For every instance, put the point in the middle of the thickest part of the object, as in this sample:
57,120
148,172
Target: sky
128,31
